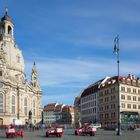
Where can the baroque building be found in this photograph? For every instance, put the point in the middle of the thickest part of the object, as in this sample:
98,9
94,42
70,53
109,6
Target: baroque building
19,99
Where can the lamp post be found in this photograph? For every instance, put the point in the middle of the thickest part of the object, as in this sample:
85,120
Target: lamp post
116,52
42,115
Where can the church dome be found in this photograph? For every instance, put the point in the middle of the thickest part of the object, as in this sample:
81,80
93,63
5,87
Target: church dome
6,17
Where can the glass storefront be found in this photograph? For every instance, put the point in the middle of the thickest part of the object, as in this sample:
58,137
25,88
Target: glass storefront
130,120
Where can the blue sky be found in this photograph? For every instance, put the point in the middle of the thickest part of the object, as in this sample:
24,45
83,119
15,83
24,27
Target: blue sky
71,41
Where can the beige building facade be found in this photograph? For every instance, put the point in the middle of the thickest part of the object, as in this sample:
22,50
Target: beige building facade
17,96
129,97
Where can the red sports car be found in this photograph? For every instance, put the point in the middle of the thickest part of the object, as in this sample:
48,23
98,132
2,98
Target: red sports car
54,131
12,132
85,131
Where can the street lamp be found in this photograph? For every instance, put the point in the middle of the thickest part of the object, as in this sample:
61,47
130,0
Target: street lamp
116,52
42,115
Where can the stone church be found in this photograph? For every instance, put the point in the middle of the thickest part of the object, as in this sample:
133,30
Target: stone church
19,99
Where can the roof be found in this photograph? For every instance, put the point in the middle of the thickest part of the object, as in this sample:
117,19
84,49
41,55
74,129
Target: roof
67,108
59,107
50,107
108,81
94,87
6,17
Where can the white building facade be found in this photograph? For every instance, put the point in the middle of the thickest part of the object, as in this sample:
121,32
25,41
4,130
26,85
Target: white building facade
17,96
89,103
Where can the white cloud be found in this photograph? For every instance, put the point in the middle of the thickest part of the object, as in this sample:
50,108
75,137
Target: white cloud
61,99
75,72
64,79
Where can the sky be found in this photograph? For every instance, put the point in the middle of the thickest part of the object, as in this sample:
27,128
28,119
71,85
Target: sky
72,42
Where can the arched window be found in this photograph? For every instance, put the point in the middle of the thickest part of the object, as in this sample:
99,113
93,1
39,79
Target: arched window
13,104
1,102
0,72
25,106
9,30
34,107
2,29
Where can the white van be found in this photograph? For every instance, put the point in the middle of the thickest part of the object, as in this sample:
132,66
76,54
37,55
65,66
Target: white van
95,125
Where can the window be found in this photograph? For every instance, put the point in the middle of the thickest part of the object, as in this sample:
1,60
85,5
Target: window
123,105
34,107
123,89
128,97
113,97
13,104
113,89
2,29
134,107
25,106
0,73
114,106
114,114
128,105
129,90
9,30
134,98
123,97
138,91
101,100
1,102
138,98
134,90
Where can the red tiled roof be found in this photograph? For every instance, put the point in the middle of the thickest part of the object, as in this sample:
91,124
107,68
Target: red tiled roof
58,107
49,107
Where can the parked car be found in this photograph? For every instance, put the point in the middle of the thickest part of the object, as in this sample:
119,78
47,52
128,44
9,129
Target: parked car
95,125
58,132
85,131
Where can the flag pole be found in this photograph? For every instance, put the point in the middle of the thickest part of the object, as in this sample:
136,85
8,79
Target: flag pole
116,52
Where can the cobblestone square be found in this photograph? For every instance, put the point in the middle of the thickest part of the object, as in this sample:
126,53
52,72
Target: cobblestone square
69,135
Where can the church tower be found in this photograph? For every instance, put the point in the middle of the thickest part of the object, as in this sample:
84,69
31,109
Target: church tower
10,55
6,28
34,77
18,97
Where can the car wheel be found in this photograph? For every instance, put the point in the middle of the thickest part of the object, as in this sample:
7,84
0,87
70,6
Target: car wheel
92,134
7,135
76,133
47,135
81,133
